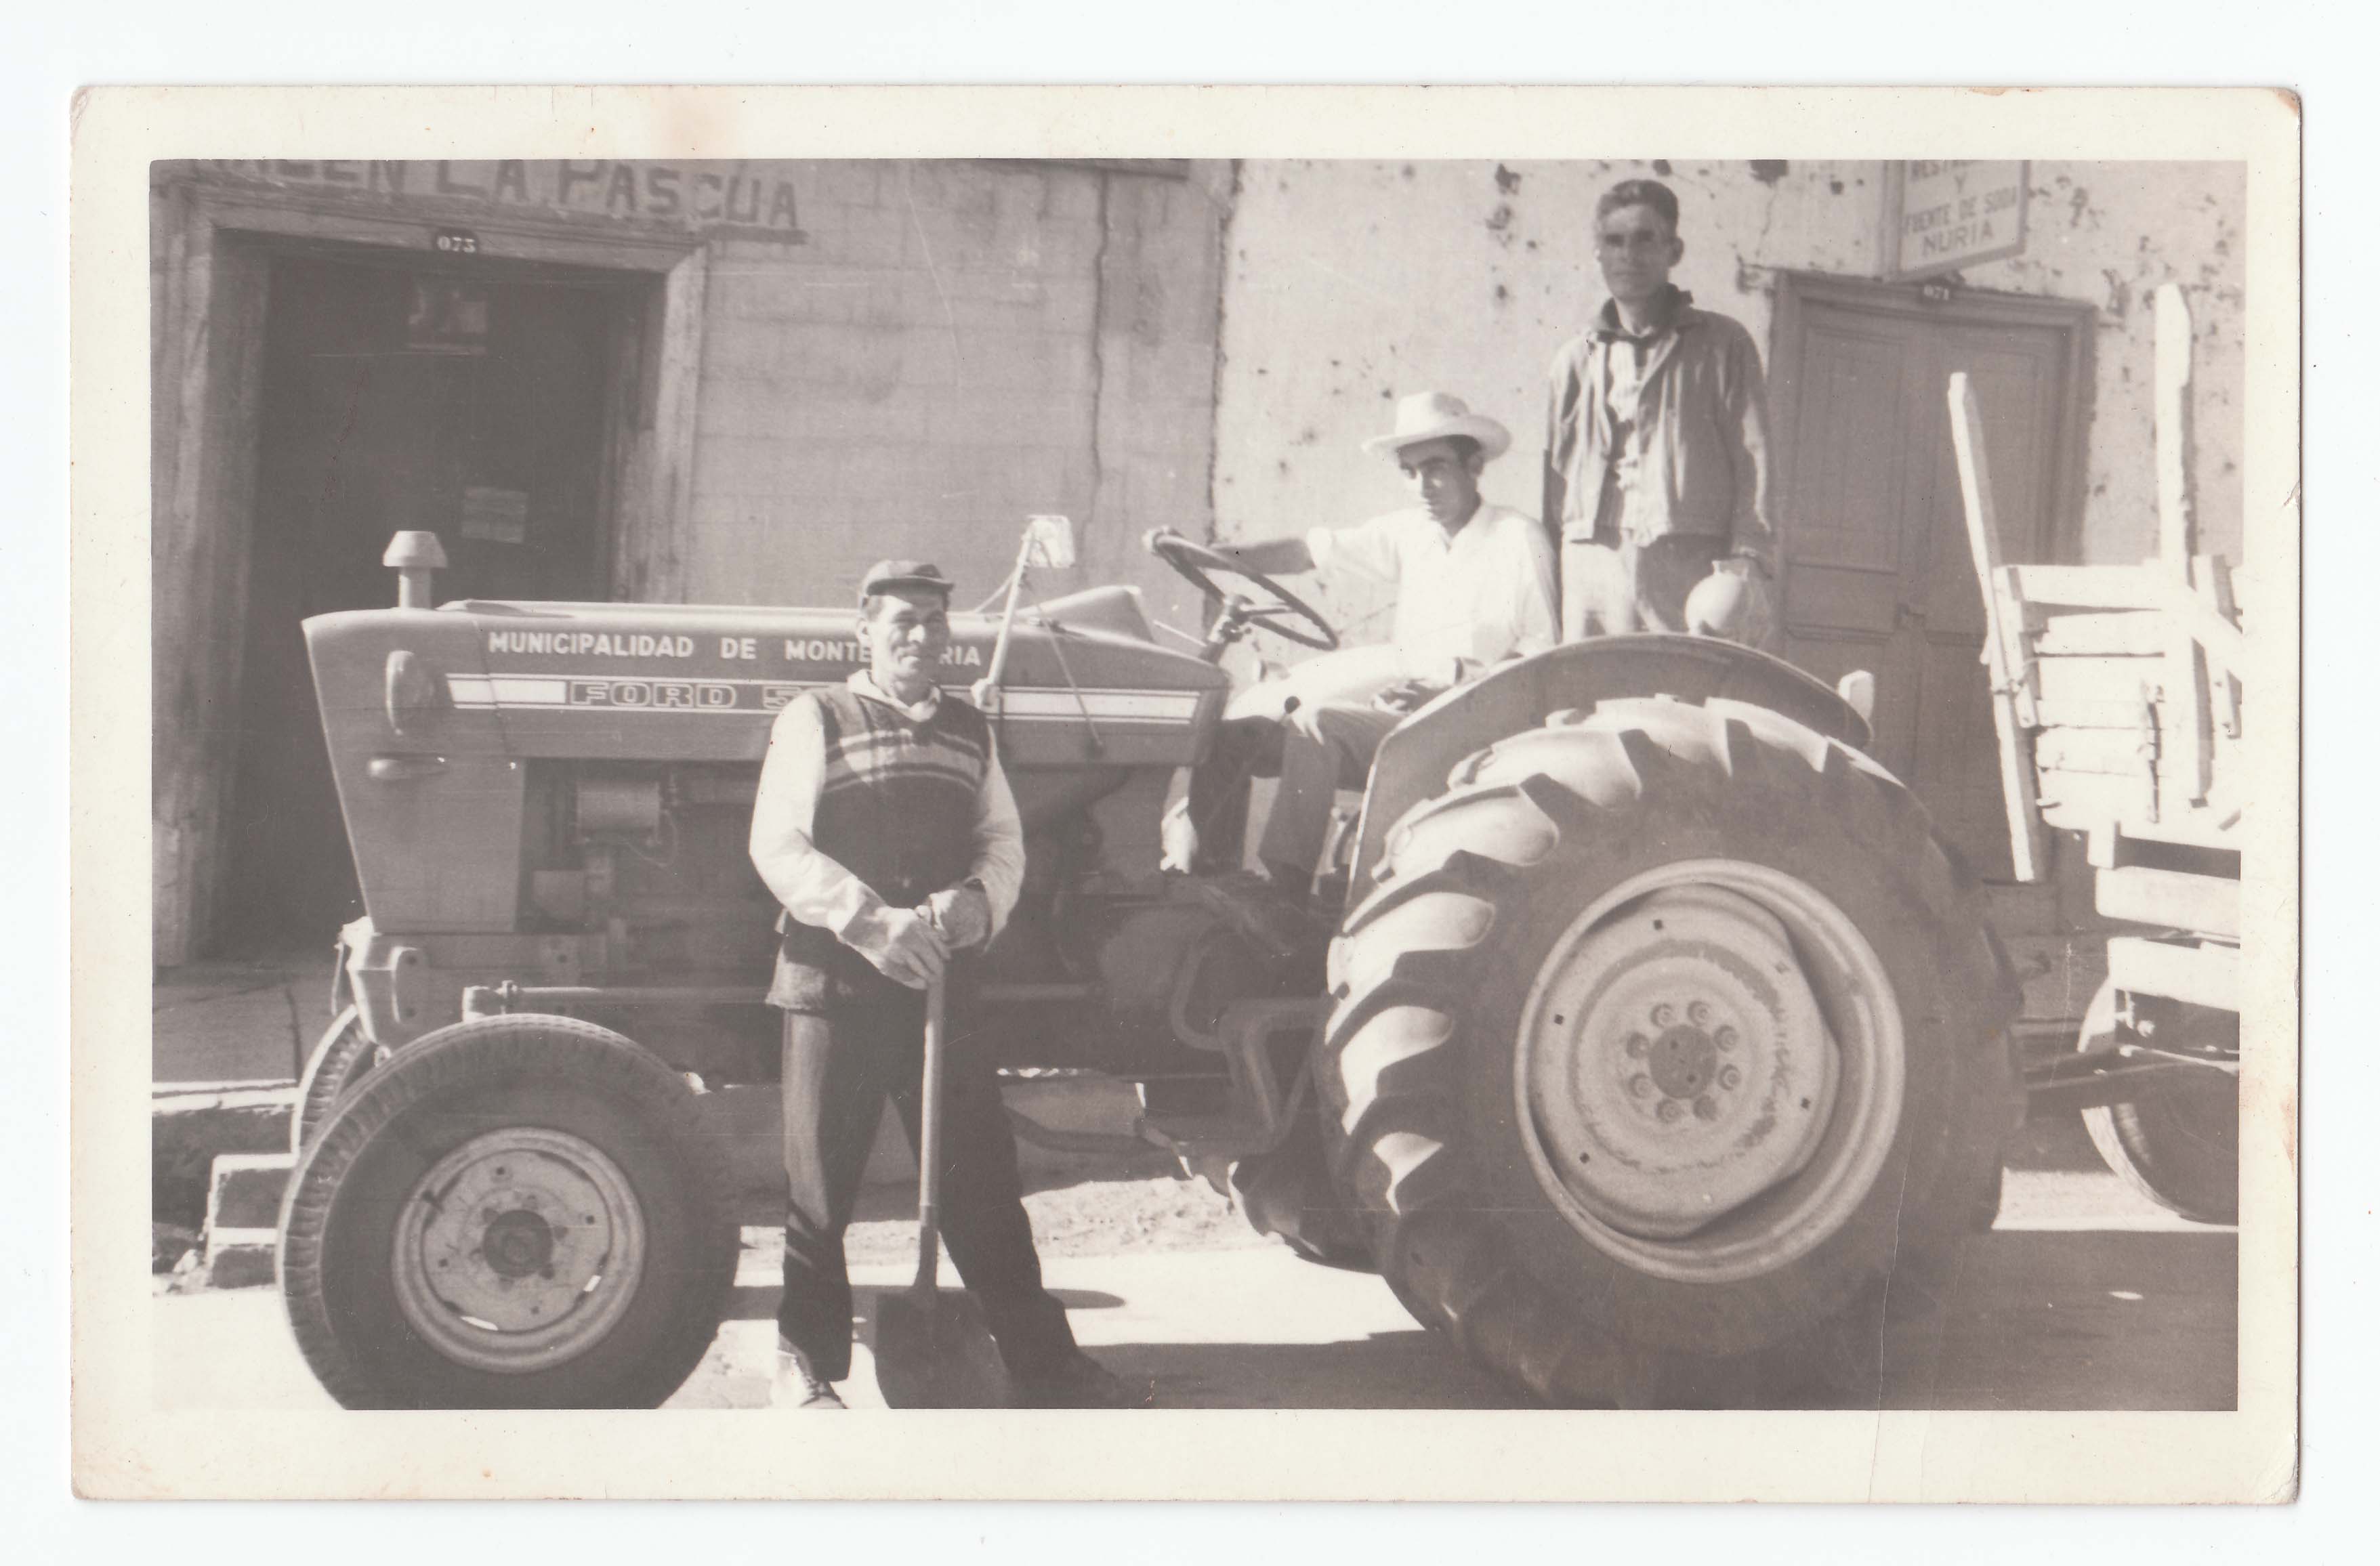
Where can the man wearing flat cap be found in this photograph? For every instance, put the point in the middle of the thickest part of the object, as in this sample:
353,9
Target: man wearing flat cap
888,835
1474,587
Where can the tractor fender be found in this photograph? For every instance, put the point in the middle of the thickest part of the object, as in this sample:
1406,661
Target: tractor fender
1413,762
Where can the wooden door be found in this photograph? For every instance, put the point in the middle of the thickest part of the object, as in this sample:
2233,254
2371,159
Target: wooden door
1877,573
467,404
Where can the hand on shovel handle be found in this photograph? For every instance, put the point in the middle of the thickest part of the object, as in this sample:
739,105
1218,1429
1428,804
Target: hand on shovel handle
930,1144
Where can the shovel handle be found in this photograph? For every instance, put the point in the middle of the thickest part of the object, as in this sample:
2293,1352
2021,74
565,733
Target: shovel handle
930,1143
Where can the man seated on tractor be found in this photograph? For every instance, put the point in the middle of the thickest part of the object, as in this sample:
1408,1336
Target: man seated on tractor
1474,587
887,832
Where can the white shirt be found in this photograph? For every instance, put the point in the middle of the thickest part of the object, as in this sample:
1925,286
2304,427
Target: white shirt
1484,594
815,888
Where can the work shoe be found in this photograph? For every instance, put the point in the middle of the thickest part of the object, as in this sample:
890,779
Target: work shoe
798,1385
1079,1381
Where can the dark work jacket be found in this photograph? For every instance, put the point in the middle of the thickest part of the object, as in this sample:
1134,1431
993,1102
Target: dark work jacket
1700,443
896,807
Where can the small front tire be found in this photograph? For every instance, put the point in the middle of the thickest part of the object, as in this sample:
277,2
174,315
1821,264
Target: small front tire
341,1059
513,1212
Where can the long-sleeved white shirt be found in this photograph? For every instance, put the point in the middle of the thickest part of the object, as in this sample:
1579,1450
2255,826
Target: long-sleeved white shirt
812,886
1484,594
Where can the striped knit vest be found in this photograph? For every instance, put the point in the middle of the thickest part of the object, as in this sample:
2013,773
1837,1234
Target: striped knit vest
896,807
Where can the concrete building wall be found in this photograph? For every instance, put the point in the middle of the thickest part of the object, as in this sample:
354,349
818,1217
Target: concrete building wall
837,361
1349,283
953,348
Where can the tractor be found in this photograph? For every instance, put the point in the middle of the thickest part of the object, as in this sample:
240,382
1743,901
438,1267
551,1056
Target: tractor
1653,1048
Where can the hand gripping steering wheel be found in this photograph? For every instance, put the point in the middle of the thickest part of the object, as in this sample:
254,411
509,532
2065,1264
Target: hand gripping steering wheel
1194,561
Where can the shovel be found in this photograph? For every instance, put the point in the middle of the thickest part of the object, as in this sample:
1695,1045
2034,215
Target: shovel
932,1348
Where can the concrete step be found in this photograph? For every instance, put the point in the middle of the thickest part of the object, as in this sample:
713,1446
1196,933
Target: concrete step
192,1124
244,1218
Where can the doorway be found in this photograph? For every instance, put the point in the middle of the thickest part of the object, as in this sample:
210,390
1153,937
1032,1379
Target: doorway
467,400
1877,573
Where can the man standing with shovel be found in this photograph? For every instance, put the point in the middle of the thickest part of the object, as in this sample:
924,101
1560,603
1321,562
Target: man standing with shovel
887,833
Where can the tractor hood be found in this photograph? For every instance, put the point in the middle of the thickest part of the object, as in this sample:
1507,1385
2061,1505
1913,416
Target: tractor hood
1085,681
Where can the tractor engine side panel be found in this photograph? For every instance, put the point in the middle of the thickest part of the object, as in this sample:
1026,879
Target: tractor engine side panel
431,798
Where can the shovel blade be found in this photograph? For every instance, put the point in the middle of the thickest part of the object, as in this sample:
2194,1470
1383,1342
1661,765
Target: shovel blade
933,1351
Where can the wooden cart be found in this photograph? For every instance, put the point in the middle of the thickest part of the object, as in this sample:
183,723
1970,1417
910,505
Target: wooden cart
2117,692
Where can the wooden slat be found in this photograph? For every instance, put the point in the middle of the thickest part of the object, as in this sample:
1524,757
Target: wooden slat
2100,679
2203,976
2213,576
2206,904
2004,650
2189,718
2114,752
2131,633
2198,829
2130,716
2091,586
2085,800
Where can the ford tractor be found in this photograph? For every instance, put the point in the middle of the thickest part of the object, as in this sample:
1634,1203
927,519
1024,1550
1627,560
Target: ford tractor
1652,1047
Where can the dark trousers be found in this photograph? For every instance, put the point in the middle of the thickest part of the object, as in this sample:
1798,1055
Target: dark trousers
1243,748
839,1069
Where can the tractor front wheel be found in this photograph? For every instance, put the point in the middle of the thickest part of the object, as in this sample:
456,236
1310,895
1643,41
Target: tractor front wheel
341,1059
512,1212
1668,1059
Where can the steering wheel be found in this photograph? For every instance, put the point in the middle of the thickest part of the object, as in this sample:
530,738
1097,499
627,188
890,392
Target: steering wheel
1194,561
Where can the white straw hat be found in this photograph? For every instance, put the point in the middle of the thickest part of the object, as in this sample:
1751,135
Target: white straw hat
1434,416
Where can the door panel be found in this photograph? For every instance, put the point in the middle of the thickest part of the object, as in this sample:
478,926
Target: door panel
483,425
1849,467
1876,562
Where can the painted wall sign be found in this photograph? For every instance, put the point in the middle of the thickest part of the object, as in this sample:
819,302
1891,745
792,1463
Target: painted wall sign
493,515
1940,216
735,199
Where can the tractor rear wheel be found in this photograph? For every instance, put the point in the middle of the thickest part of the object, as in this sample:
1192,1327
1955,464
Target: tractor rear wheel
1668,1059
2178,1143
513,1212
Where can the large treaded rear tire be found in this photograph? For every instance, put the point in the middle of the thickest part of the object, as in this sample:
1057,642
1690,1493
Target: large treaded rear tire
1433,980
2178,1145
483,1148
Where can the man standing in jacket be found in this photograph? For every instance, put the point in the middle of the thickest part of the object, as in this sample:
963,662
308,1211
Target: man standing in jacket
888,835
1657,436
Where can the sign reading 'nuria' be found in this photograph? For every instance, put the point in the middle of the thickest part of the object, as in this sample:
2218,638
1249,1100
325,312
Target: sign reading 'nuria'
1943,214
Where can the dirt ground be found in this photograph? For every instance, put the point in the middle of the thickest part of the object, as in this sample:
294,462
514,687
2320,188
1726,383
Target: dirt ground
1104,1214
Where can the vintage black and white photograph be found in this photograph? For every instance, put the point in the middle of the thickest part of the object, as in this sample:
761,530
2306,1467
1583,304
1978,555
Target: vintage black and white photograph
1414,783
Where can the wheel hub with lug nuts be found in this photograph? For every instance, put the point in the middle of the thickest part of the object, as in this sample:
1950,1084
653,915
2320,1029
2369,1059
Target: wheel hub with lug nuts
518,1249
1677,1064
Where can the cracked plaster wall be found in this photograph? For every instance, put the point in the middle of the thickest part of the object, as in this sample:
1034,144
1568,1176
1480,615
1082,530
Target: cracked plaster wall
1351,283
957,346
